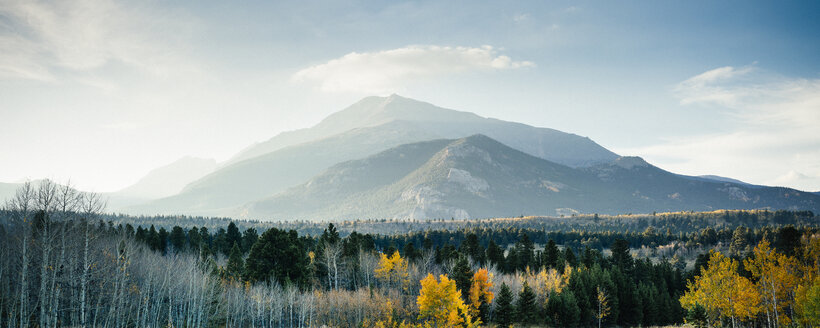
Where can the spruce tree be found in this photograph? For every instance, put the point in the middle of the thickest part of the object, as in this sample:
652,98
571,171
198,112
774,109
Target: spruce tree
495,255
551,255
463,276
177,238
569,257
235,263
503,314
525,309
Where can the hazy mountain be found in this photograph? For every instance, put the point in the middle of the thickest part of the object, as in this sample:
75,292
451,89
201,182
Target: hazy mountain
370,111
221,191
371,125
169,179
480,177
554,145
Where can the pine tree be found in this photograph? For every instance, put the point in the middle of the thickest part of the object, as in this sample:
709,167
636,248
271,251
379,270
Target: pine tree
495,255
177,238
235,263
525,309
569,257
551,255
563,309
232,236
463,276
503,314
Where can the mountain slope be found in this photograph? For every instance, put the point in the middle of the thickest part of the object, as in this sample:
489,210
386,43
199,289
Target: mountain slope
169,179
479,177
368,112
554,145
221,191
371,125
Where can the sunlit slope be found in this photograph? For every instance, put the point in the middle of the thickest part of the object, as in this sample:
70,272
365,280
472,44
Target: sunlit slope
478,177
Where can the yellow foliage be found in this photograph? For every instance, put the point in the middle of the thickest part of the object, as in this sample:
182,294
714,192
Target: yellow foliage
550,282
722,291
393,270
776,275
480,289
603,304
440,304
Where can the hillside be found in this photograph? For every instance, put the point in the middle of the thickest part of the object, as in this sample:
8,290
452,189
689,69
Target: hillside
478,177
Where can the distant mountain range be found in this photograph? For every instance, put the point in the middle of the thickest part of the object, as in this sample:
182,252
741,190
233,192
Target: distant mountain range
480,177
394,157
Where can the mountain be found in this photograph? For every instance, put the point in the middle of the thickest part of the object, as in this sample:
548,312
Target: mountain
169,179
221,191
365,128
477,177
554,145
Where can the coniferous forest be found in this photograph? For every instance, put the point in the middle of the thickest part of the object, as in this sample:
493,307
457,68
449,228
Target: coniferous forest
65,263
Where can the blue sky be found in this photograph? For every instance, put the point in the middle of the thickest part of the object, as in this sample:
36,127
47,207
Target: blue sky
103,91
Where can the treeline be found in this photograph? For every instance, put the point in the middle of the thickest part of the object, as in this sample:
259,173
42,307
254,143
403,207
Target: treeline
677,222
65,264
220,240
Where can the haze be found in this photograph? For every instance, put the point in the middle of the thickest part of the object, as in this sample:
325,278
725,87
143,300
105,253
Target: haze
103,92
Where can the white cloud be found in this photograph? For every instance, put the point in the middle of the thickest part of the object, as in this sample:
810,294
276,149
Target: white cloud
386,71
798,180
45,41
774,135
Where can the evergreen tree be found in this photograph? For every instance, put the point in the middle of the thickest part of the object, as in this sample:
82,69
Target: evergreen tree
551,254
235,263
153,238
177,238
569,257
525,309
280,256
163,240
220,242
503,314
463,276
472,248
563,309
141,235
205,237
696,316
620,254
410,252
194,239
524,253
495,255
248,239
232,236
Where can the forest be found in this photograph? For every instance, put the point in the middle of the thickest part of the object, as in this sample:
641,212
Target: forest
66,263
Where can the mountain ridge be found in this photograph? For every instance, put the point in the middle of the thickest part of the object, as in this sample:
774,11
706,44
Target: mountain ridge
481,177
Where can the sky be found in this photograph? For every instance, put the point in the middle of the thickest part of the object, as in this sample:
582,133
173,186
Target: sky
102,92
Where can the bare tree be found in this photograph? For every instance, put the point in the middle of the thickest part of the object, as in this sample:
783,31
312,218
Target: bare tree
331,256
